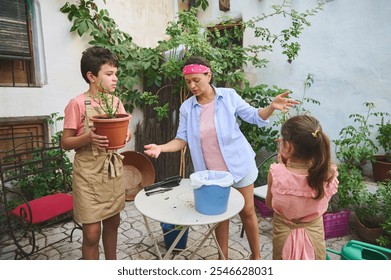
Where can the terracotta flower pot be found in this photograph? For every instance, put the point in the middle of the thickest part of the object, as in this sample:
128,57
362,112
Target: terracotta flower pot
367,234
381,169
115,129
139,172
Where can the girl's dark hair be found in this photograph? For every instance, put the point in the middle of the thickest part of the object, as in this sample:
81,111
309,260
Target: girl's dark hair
93,58
310,144
199,60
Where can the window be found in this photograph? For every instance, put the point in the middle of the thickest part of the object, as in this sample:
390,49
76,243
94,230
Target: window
21,59
17,130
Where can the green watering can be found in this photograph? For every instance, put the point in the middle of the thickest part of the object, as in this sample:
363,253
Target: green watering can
357,250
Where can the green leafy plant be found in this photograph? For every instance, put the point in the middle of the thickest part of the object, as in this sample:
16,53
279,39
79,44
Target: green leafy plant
351,182
373,209
384,136
44,183
135,63
353,149
106,101
305,99
368,208
385,195
260,96
200,3
47,183
355,145
286,37
53,120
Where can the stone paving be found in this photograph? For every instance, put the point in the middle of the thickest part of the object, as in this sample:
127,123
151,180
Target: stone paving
135,244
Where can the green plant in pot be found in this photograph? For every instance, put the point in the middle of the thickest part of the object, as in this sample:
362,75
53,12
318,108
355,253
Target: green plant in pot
385,194
355,145
353,149
351,182
381,166
373,213
336,220
111,124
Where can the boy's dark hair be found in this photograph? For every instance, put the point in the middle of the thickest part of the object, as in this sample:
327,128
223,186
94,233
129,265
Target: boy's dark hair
199,60
93,58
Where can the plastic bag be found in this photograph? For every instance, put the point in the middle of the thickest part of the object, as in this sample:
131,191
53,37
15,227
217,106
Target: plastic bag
211,177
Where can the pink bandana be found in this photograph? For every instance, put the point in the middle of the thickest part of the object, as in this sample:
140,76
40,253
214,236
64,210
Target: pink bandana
195,69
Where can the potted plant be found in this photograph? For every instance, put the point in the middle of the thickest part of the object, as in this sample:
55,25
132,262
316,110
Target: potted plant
381,165
111,123
355,146
372,209
337,218
385,194
353,149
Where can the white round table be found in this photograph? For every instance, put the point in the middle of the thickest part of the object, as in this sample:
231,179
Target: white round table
177,207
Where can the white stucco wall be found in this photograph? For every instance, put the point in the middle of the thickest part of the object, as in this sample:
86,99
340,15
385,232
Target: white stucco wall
144,20
346,48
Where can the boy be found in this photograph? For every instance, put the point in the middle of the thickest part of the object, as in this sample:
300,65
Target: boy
98,183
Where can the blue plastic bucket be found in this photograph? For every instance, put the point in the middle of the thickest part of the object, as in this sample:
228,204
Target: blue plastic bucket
169,237
211,199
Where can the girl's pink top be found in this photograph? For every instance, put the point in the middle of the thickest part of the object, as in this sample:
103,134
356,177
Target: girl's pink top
292,198
209,144
75,112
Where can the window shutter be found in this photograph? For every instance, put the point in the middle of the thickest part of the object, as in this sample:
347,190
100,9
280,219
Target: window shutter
14,35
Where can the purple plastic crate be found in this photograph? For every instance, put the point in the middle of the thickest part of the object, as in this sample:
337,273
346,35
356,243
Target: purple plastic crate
262,208
336,224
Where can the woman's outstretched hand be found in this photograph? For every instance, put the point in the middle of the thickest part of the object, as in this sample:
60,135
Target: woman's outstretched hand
282,103
152,150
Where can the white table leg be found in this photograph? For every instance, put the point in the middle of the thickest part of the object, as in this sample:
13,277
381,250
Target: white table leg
152,237
175,242
181,233
209,232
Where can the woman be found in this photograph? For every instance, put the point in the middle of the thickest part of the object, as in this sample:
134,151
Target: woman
208,124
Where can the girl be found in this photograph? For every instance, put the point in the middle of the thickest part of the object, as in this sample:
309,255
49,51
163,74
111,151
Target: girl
299,189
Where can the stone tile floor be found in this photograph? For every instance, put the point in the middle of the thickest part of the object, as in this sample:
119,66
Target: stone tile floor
135,244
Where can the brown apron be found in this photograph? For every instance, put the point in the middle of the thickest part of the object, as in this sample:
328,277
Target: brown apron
98,181
314,230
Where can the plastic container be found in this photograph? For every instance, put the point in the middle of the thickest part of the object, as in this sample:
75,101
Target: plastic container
263,210
171,233
336,224
211,191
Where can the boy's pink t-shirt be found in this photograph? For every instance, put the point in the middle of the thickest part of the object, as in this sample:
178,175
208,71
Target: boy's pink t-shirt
209,144
75,112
